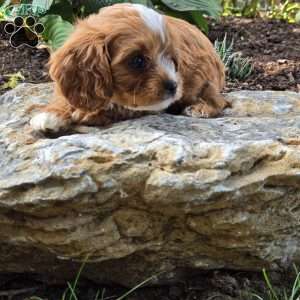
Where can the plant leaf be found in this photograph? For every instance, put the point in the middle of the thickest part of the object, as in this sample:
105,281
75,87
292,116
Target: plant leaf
93,6
199,20
210,7
194,17
144,2
4,3
44,4
56,30
64,9
297,18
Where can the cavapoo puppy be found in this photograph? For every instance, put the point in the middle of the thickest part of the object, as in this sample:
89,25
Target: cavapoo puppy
128,60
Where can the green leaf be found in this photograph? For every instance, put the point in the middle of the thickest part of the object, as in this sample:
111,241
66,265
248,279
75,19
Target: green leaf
56,30
93,6
210,7
64,9
292,6
44,4
297,18
144,2
199,20
194,17
4,3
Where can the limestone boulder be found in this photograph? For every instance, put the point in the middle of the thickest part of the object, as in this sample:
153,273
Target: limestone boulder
158,194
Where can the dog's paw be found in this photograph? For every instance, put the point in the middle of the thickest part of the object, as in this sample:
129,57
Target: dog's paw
48,122
199,111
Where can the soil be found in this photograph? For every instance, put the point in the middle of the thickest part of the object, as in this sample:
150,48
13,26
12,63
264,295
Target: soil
274,48
272,45
216,285
31,62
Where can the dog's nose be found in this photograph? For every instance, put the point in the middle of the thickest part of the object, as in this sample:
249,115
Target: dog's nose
170,86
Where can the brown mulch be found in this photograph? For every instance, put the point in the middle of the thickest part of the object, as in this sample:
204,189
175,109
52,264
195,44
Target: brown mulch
272,45
31,62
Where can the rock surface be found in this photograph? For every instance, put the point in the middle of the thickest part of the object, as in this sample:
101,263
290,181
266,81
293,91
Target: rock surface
157,194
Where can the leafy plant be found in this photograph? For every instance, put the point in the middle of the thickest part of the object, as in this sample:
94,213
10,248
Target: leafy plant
287,10
225,50
56,30
240,67
275,294
3,6
9,9
251,9
59,15
248,8
12,81
236,66
230,7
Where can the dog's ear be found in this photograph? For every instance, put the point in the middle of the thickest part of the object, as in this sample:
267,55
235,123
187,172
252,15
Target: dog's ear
81,70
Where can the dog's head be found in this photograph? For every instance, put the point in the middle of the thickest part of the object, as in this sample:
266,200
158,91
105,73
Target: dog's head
123,55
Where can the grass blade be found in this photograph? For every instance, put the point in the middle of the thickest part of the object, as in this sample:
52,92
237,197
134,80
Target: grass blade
137,287
272,292
73,294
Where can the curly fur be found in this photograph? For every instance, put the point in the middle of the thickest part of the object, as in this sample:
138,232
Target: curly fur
95,85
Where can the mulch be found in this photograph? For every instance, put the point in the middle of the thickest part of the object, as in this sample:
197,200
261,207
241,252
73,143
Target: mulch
31,62
272,45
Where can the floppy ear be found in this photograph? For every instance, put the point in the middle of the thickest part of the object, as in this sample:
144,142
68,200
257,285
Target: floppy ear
82,72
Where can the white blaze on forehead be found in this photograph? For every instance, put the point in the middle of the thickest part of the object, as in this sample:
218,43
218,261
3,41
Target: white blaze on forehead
168,66
152,19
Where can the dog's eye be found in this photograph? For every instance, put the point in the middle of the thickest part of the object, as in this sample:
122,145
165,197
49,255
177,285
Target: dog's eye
138,62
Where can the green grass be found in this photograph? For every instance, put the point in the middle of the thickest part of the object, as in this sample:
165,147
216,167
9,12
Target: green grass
275,293
71,292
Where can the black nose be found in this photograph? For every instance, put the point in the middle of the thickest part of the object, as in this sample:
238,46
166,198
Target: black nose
170,86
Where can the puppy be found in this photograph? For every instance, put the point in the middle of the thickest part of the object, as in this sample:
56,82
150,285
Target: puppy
128,60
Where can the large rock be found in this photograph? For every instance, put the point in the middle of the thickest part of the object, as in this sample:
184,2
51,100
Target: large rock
157,194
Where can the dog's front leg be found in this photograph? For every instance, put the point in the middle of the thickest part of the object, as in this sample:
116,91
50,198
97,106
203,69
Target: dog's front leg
54,117
210,103
97,118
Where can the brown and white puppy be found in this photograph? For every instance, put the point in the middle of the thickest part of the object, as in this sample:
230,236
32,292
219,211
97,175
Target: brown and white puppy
129,59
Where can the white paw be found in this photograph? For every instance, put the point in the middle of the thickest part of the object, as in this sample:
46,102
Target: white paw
47,121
